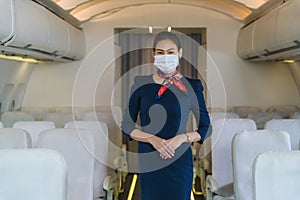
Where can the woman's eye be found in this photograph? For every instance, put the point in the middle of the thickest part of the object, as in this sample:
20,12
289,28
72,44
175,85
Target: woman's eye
171,52
159,53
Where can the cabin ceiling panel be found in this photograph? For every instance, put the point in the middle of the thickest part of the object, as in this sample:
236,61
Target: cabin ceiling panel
228,7
104,8
87,10
68,5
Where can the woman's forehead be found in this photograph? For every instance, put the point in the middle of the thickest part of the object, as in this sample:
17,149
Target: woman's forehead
166,45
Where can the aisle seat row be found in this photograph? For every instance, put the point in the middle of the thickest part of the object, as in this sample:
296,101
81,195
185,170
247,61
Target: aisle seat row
285,111
61,118
260,118
83,144
235,145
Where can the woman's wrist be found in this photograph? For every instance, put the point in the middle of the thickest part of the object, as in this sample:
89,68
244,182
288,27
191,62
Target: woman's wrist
182,138
188,138
191,137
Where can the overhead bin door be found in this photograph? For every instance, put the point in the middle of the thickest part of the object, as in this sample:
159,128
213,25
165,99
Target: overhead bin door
264,34
58,36
245,42
77,44
6,20
32,30
288,25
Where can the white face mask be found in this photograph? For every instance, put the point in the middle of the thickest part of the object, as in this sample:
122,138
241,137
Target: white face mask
166,63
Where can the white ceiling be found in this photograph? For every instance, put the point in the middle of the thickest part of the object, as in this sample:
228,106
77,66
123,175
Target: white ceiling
87,10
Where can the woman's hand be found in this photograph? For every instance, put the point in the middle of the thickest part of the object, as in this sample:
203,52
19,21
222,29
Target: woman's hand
176,141
162,146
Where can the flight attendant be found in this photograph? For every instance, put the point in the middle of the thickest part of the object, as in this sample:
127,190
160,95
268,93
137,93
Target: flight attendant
163,102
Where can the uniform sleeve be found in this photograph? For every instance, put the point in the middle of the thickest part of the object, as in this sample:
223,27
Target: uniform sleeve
200,112
128,123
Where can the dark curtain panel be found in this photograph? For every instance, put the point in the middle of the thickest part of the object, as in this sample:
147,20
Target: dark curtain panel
189,62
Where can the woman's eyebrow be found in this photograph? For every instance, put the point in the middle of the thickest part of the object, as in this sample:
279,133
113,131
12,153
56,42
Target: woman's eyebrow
166,49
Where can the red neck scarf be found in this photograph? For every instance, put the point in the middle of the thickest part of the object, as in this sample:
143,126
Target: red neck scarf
168,80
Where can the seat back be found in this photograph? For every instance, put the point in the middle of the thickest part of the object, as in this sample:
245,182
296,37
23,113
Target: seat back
34,128
222,115
77,147
38,113
33,174
243,111
291,126
111,118
223,132
284,110
100,132
75,110
215,109
295,115
261,118
59,119
9,118
246,146
282,182
12,138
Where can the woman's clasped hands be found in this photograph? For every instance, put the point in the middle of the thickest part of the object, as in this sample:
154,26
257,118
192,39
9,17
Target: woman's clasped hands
167,148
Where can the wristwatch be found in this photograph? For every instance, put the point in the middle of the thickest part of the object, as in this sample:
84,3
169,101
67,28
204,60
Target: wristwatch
188,138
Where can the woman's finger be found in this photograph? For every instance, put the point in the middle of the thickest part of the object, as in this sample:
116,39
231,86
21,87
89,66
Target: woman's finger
165,153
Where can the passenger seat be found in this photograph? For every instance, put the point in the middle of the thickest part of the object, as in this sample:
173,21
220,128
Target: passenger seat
291,126
12,138
77,147
34,128
246,146
32,174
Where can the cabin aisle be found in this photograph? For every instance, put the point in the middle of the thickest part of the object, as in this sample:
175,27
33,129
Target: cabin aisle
137,194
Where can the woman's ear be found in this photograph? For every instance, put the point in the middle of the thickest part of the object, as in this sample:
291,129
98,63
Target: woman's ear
153,53
180,53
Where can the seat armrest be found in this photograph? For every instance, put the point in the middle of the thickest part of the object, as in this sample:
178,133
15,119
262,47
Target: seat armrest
210,187
225,191
211,184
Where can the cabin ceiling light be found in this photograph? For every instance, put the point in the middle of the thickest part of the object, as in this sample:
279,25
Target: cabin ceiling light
288,61
18,58
150,29
253,3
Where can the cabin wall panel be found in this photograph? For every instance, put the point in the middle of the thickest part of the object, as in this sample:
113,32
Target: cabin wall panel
13,72
259,84
51,85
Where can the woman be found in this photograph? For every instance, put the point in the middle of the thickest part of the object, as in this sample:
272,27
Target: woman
164,101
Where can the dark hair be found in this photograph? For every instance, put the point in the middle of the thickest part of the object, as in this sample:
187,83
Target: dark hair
166,36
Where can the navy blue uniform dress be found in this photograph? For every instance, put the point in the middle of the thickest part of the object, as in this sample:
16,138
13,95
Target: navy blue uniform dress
169,179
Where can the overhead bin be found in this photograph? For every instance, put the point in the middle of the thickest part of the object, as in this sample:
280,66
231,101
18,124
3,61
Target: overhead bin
6,21
32,29
76,49
288,25
38,33
263,36
245,42
275,36
58,36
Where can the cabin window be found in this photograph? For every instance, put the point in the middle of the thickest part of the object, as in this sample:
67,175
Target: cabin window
6,96
18,96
